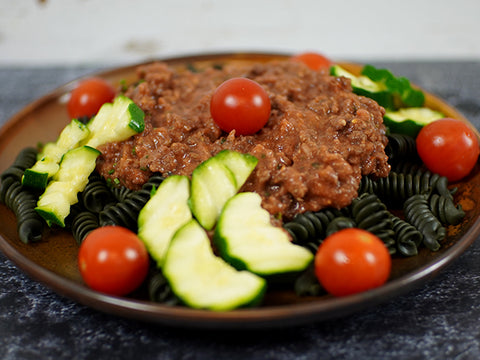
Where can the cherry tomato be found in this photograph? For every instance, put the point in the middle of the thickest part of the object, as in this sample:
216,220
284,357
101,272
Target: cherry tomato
113,260
448,147
87,98
313,60
351,261
240,104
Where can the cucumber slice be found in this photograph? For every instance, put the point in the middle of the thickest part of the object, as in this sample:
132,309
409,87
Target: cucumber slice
48,160
71,178
246,238
410,121
204,281
241,165
215,181
115,121
165,212
401,89
362,85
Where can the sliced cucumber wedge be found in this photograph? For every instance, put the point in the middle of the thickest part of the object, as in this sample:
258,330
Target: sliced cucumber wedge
215,181
165,212
410,121
364,86
115,121
71,178
204,281
241,165
48,160
246,238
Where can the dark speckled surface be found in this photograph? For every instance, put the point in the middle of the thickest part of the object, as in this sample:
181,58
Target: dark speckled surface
440,320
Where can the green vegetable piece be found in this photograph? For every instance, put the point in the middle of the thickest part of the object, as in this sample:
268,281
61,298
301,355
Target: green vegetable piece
48,160
165,212
362,85
203,280
215,181
410,121
246,238
72,177
405,95
115,121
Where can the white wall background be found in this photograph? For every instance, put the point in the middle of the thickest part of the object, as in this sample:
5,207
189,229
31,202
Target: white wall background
79,32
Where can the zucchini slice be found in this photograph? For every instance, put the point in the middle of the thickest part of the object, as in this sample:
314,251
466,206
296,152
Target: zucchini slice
71,178
165,212
241,165
246,238
410,121
115,121
48,161
364,86
205,281
215,181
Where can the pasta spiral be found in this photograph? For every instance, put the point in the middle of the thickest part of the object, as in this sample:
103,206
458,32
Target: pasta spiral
418,213
408,237
371,214
401,147
21,200
96,195
125,213
82,222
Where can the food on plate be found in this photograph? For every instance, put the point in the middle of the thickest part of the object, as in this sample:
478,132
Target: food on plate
48,162
113,260
410,120
88,96
317,144
388,90
448,147
240,104
313,60
351,261
163,214
246,238
73,158
70,179
226,205
22,200
215,181
203,280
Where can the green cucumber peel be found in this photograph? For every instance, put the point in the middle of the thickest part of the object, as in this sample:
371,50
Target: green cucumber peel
400,87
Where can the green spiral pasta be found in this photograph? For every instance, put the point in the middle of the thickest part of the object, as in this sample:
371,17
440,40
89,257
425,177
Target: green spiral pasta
396,188
401,147
21,200
125,213
408,237
339,223
96,195
120,193
372,215
310,228
445,210
81,222
159,289
418,213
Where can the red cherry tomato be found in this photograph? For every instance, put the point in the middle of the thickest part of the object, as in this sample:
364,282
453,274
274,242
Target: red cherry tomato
351,261
313,60
113,260
448,147
87,98
240,104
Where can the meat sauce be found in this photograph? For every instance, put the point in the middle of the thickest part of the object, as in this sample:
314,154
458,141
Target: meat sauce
319,141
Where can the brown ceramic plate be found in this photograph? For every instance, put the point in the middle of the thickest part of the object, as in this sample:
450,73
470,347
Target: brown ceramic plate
53,260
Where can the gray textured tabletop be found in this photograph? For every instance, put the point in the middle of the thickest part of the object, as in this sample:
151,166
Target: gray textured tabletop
439,320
